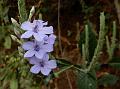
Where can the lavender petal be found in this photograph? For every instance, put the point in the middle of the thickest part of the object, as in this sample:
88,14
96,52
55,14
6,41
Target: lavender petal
29,53
26,25
45,71
51,39
40,54
34,60
35,69
52,64
27,34
48,47
38,37
28,45
46,57
47,30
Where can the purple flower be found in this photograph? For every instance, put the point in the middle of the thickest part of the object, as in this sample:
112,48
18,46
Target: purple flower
43,65
37,29
36,48
50,39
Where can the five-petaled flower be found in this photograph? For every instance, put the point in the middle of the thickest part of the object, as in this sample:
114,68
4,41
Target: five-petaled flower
44,65
38,29
36,48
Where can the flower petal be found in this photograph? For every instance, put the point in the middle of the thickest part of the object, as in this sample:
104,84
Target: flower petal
51,64
45,71
27,25
29,53
27,34
48,47
28,45
45,23
47,30
38,36
34,60
46,57
51,39
39,23
35,69
40,54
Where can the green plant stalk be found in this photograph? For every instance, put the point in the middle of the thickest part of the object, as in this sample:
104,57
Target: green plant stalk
108,45
110,48
62,70
73,66
100,42
113,45
83,56
86,42
22,10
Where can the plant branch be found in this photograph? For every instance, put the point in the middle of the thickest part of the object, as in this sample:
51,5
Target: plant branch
100,42
59,30
116,2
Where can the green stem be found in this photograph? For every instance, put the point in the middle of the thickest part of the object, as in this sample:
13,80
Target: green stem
113,40
62,70
86,42
108,46
83,56
99,44
22,10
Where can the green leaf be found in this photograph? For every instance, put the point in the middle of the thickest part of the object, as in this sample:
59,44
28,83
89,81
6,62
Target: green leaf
62,61
115,62
107,80
92,41
7,43
14,84
86,80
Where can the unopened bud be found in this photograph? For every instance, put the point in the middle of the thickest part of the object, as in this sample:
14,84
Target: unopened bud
14,22
13,37
40,16
32,11
16,39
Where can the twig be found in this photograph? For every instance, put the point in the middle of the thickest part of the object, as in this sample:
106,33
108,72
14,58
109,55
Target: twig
59,30
117,6
69,82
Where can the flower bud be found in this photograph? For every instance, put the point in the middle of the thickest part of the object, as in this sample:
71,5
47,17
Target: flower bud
32,11
14,22
13,37
40,16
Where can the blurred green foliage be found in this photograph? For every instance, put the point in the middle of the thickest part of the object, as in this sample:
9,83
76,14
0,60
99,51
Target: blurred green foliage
5,39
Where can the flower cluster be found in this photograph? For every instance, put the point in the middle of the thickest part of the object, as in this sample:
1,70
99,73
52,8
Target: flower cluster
39,47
